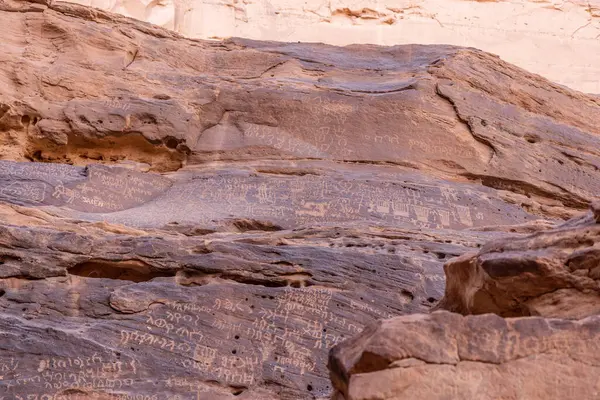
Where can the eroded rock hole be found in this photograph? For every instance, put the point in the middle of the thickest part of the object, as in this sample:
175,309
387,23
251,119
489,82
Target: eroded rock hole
244,225
8,258
129,270
171,143
148,119
407,294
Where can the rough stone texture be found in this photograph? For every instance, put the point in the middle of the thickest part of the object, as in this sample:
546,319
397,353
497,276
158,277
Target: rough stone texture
555,38
550,274
553,273
450,356
182,219
121,90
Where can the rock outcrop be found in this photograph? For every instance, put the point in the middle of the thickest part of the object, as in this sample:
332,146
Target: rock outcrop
182,219
549,275
450,356
121,90
555,38
552,274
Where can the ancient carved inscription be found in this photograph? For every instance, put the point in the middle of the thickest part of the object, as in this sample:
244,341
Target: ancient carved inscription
38,171
96,189
53,376
240,339
312,199
29,191
110,189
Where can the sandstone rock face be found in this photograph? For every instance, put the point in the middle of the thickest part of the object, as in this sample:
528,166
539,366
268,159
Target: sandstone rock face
450,356
120,90
546,37
553,273
182,219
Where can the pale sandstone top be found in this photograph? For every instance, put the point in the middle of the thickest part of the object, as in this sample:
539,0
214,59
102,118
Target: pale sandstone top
558,39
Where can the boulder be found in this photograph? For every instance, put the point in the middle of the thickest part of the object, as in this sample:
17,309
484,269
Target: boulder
554,273
449,356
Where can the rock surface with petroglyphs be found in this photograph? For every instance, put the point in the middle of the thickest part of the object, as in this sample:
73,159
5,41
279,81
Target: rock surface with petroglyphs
553,273
449,356
184,219
529,327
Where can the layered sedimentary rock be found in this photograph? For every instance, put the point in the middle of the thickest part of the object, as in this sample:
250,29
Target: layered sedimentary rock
545,37
120,90
549,275
450,356
553,274
183,219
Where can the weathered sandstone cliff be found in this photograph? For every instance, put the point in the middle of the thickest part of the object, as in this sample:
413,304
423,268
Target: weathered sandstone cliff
188,219
558,39
551,277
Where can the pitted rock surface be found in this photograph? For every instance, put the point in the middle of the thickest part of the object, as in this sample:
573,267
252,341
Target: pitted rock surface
184,219
118,89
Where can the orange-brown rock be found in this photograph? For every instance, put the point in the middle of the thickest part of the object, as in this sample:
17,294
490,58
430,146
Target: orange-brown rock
83,85
182,219
547,37
450,356
555,273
